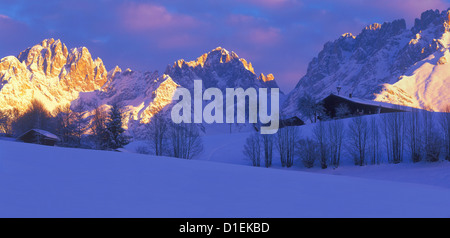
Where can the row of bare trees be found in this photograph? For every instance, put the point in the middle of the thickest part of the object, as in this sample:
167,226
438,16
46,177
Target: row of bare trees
258,147
419,135
169,139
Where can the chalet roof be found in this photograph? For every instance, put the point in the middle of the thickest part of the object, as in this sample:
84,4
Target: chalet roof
42,132
373,103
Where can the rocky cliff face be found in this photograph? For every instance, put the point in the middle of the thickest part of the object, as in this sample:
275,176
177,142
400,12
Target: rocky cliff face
221,69
382,62
146,93
50,73
57,76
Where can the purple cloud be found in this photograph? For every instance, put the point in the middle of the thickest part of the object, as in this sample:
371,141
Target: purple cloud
144,16
270,4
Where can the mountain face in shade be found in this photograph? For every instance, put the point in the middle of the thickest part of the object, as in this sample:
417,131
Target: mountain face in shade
57,76
385,62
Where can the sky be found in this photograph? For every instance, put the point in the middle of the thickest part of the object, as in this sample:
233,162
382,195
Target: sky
278,36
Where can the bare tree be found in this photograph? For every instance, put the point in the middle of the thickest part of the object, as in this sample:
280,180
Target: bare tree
431,138
285,141
36,117
335,137
268,141
65,125
78,123
358,134
445,125
292,139
157,133
413,131
394,131
310,107
252,149
185,140
281,145
307,151
374,140
320,134
98,128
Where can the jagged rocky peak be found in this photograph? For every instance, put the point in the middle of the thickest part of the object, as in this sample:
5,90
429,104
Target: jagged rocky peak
219,68
432,17
75,67
49,72
115,71
48,57
213,58
267,78
370,34
347,36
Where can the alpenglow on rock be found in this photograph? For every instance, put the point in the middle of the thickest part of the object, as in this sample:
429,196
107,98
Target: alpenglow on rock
385,62
220,69
57,76
50,73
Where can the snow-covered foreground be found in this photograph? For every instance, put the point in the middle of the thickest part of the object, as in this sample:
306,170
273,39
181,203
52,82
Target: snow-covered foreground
39,181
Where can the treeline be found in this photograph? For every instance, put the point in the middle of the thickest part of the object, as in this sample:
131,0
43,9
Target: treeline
393,138
166,138
103,130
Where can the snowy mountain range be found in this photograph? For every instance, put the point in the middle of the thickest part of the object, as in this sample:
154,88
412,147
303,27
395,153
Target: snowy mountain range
57,76
387,63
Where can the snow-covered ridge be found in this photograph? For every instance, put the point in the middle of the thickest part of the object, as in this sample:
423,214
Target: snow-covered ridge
385,62
57,76
218,55
219,68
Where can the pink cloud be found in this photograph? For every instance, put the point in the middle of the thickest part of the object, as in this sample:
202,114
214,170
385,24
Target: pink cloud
414,8
264,36
254,30
178,41
10,26
139,17
271,3
4,17
403,8
238,20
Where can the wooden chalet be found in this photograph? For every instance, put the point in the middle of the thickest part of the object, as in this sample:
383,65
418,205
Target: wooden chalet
356,106
37,136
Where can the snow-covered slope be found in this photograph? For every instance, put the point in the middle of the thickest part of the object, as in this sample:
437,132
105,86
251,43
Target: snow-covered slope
40,181
385,62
